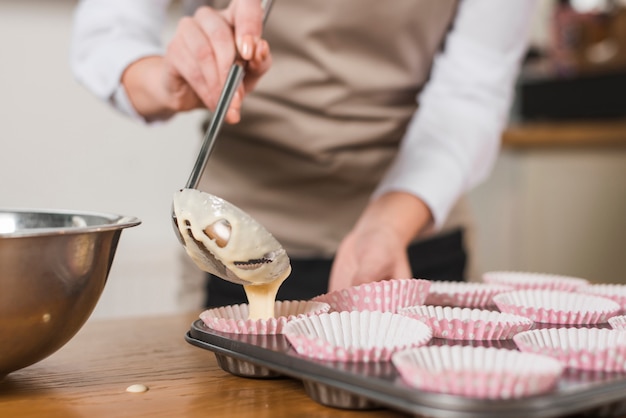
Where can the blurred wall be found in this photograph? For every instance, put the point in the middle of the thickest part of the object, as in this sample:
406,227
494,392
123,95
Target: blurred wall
558,210
61,148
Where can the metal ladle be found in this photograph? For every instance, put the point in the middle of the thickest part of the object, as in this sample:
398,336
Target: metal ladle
221,238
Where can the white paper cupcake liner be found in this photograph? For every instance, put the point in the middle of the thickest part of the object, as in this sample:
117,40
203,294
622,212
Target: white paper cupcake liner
463,294
618,322
526,280
356,336
557,307
384,296
599,349
234,318
616,292
477,372
468,324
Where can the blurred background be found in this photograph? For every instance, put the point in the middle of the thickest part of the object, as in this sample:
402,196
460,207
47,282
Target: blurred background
62,148
555,203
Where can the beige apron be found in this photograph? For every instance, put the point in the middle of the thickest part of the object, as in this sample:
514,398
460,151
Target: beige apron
324,124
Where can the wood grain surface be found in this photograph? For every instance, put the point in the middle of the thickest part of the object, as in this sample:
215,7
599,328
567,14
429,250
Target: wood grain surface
88,377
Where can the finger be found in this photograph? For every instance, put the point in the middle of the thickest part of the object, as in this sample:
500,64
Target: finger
402,268
181,96
208,40
402,272
193,58
338,282
247,19
220,35
233,116
342,272
258,66
262,53
235,104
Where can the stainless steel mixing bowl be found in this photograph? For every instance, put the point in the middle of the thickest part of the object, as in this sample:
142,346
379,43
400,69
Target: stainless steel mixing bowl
53,268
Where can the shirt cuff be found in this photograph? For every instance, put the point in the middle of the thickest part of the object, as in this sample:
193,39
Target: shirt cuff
119,99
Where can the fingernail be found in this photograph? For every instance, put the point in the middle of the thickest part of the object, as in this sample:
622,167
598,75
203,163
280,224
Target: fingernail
246,47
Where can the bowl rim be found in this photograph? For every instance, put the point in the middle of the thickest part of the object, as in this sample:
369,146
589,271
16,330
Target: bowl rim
116,222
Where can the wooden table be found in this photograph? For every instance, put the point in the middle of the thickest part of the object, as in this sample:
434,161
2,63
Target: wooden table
88,377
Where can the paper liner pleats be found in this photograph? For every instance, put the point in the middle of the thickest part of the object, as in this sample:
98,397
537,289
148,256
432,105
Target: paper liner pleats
477,372
464,294
529,280
557,307
357,336
468,324
384,296
234,318
599,349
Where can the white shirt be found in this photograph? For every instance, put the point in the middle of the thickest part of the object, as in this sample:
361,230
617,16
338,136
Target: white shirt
468,95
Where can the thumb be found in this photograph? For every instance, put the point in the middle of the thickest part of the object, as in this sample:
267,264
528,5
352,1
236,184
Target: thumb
247,20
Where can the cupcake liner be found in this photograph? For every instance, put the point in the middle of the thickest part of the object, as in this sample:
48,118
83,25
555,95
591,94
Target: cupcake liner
356,336
234,318
464,294
599,349
525,280
616,292
477,372
384,296
618,322
468,324
557,307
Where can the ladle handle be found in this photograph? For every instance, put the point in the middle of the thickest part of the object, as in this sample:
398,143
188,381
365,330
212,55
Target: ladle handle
233,80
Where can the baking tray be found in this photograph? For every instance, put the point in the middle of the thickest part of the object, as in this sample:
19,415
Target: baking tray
378,385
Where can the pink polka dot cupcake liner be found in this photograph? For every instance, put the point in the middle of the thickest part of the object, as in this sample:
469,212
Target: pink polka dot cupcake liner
384,296
477,372
234,318
597,349
468,324
355,336
464,294
616,292
557,307
526,280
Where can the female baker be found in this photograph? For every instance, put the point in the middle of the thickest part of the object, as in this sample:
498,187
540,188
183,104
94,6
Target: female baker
353,141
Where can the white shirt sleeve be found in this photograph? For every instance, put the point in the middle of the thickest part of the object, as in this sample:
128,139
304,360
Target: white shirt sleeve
107,36
453,139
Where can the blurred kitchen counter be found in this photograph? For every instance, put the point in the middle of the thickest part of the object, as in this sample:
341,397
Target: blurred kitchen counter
575,133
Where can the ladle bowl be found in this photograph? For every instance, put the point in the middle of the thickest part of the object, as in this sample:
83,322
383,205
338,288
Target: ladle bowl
225,241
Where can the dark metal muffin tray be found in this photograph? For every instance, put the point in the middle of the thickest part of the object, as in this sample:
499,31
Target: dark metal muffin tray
378,385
